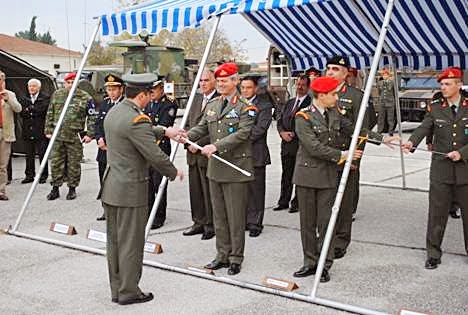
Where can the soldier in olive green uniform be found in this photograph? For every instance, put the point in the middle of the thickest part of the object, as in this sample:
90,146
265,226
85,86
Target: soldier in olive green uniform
228,121
131,145
68,149
387,102
348,105
447,120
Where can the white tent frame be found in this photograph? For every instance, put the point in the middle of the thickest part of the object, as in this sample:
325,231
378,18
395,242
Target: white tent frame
312,298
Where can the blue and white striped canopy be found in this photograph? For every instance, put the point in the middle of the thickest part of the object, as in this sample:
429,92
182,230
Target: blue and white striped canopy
422,33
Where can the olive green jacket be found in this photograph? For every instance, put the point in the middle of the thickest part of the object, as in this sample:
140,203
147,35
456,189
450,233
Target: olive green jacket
450,134
131,148
229,130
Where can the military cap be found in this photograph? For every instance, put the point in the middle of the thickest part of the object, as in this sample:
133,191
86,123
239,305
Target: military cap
450,73
312,71
141,80
112,80
338,60
70,76
324,84
226,70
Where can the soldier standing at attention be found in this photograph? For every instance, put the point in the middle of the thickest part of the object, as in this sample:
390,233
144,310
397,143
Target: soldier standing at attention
162,111
68,149
200,200
260,154
228,121
131,145
387,102
447,121
315,174
290,143
114,90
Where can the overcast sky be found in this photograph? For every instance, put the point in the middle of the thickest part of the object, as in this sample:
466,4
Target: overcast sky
70,22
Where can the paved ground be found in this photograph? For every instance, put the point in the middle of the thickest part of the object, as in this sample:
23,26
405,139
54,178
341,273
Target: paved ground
383,269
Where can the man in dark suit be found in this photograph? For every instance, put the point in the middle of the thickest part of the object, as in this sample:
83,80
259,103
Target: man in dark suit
446,122
200,200
162,110
34,112
289,142
114,90
260,154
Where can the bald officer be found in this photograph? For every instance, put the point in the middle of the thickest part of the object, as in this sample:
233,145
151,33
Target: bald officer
131,145
228,120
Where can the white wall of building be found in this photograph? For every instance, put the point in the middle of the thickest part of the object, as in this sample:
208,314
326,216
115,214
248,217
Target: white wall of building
50,63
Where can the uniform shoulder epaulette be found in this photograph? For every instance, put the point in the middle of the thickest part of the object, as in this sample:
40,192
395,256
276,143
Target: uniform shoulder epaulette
142,118
302,114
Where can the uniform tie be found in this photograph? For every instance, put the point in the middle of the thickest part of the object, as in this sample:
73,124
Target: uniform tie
454,110
224,104
325,115
205,100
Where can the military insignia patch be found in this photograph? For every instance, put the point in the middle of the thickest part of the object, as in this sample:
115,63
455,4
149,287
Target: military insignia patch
303,115
342,61
171,112
231,129
210,113
141,119
234,99
232,114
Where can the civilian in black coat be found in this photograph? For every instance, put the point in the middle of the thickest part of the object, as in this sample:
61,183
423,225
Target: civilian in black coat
34,112
289,142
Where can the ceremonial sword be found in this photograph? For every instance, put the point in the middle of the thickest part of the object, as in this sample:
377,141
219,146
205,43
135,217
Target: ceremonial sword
219,158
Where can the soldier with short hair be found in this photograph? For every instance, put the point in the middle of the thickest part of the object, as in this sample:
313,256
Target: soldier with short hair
446,121
68,149
387,102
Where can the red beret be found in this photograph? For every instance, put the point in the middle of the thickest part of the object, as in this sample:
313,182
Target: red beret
70,76
451,73
324,84
226,70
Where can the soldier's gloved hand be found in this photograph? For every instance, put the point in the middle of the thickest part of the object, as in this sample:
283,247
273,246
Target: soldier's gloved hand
407,146
87,139
209,149
454,156
390,140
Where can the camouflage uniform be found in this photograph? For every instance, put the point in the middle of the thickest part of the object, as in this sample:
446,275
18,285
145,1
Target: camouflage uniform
387,105
67,148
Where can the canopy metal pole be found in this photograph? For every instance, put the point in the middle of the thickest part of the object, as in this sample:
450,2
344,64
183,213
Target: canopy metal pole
57,128
398,115
352,149
221,279
184,121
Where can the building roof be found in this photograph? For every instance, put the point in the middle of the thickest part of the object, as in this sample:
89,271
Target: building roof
15,45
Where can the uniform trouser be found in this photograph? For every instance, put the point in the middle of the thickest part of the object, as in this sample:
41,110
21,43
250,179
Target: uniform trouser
315,206
348,207
441,198
69,154
256,200
200,202
125,242
5,149
31,146
229,201
288,162
155,179
386,115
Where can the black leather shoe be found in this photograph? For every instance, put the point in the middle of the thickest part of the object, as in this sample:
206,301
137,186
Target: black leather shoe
234,269
255,232
325,277
71,193
115,300
305,271
144,297
27,180
454,213
101,218
193,230
156,225
293,210
207,235
42,180
280,207
339,253
54,193
215,265
432,263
